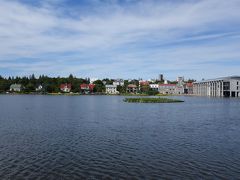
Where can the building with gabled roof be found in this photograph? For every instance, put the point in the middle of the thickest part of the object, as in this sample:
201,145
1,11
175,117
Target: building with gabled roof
111,89
65,87
87,88
16,87
132,88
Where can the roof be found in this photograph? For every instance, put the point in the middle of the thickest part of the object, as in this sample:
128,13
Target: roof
144,83
84,85
111,86
65,86
15,86
189,84
220,79
167,84
132,86
91,86
154,84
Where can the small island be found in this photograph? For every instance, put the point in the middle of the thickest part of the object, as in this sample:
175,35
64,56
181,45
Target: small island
151,100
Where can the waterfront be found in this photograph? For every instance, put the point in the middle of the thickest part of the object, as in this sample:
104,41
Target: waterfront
73,137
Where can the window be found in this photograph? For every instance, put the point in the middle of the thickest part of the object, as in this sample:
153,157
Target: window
237,82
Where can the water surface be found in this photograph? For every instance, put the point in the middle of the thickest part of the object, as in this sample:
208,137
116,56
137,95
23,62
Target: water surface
101,137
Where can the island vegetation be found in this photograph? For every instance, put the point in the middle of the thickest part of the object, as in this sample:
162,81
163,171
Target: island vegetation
151,100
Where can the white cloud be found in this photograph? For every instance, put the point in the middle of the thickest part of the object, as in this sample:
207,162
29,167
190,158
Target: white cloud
121,34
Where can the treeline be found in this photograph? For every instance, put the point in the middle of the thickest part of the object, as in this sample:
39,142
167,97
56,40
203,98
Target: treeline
50,84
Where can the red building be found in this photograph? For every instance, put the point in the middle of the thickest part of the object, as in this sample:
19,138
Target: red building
188,88
143,86
143,83
86,88
65,87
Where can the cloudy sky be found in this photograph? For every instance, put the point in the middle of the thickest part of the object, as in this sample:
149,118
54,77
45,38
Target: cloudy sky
120,38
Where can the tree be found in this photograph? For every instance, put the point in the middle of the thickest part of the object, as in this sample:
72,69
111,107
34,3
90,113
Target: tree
99,86
121,89
29,88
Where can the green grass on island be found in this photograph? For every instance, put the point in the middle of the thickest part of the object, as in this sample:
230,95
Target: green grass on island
151,100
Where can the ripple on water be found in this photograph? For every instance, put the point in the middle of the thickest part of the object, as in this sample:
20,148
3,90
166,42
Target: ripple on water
87,140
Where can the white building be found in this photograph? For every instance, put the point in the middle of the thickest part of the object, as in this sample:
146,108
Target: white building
16,87
171,89
180,79
118,82
167,88
154,87
165,81
221,87
179,89
111,89
65,87
39,88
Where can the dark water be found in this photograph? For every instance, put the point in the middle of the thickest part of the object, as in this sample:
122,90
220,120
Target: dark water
102,137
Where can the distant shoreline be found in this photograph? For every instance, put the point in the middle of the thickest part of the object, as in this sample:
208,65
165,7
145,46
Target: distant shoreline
95,94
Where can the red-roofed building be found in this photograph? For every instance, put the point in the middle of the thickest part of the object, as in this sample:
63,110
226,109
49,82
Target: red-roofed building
188,89
65,87
91,87
143,83
86,88
143,86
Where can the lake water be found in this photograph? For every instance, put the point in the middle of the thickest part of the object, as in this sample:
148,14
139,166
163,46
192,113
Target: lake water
102,137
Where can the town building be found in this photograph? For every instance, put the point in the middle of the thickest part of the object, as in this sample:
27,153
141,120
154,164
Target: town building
188,88
111,89
161,77
220,87
118,82
65,87
154,87
167,88
179,89
143,86
16,87
87,88
39,88
180,79
132,88
143,83
165,81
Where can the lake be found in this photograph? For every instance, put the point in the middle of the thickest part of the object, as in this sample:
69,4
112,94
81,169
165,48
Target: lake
102,137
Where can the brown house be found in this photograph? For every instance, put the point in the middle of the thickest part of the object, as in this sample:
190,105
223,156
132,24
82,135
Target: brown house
132,88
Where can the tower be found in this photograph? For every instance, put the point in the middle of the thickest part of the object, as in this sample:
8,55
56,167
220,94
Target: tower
161,77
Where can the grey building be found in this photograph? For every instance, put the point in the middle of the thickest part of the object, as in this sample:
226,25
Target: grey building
16,87
220,87
167,88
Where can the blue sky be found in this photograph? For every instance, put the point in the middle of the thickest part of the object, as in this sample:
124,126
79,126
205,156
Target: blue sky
120,38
